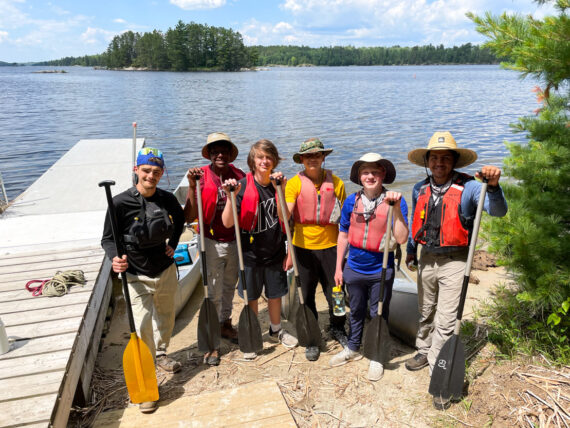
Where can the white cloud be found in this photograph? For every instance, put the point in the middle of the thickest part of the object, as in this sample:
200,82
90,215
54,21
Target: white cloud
198,4
119,21
3,36
94,36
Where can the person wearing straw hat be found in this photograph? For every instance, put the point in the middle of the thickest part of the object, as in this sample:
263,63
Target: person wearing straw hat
150,221
443,208
314,197
363,223
262,237
220,241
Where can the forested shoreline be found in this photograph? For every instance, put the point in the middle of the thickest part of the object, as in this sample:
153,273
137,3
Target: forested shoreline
192,46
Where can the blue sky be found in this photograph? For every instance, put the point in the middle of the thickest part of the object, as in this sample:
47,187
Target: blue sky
37,30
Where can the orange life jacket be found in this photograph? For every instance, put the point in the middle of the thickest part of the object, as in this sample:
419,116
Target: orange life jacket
210,192
446,216
368,234
316,208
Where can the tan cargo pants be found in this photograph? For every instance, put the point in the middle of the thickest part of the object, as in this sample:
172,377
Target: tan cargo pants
440,278
153,298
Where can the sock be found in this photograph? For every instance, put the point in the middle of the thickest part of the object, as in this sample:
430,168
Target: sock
275,327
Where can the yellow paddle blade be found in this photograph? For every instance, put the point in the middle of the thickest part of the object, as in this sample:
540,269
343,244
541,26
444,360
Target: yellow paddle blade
140,374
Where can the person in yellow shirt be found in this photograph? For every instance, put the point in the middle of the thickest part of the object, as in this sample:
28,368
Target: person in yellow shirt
314,198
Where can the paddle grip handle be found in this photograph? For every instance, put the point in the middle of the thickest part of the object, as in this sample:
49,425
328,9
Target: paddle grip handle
119,248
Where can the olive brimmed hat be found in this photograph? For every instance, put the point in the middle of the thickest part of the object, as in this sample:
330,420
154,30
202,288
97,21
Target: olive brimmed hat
219,137
378,160
443,141
312,145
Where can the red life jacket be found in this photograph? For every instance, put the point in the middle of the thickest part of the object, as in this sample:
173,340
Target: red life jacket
368,234
250,205
447,216
210,192
313,207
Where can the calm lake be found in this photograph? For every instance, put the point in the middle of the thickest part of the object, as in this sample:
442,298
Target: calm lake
354,110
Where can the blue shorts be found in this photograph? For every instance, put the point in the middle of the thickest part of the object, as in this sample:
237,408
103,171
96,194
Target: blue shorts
273,278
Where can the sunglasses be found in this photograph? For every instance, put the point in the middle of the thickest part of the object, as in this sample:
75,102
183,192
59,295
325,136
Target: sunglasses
147,150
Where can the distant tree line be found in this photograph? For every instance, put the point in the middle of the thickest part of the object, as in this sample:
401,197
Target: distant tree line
396,55
195,47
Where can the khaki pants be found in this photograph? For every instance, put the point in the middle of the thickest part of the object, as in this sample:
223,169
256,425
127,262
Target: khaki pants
223,267
440,278
153,298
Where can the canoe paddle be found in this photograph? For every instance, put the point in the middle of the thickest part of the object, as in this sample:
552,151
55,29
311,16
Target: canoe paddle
249,330
377,339
209,332
138,362
449,370
308,331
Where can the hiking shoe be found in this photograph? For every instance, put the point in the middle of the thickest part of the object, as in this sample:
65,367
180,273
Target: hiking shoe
168,364
375,371
441,403
344,357
249,356
312,353
148,406
212,358
281,336
339,334
228,331
417,362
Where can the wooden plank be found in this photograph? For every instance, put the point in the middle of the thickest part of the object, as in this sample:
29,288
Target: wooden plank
16,285
40,345
47,272
30,386
43,256
29,411
51,265
33,364
30,304
60,414
42,315
14,296
48,328
252,405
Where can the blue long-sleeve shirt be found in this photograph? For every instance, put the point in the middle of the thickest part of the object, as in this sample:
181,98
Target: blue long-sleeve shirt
495,205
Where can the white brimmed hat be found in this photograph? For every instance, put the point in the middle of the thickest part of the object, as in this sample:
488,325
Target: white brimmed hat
378,160
218,137
443,141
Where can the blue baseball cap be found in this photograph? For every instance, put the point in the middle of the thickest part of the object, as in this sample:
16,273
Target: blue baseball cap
150,156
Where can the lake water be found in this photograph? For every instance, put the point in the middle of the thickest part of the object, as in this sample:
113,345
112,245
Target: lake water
354,110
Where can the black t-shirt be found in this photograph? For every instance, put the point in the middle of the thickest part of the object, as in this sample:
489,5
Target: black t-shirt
148,261
265,246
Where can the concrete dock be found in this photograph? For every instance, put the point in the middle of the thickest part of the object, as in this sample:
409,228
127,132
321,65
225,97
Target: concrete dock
56,225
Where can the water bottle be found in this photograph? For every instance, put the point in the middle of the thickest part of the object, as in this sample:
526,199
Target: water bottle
4,344
338,302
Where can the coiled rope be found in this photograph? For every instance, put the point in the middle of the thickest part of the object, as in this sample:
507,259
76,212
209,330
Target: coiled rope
58,285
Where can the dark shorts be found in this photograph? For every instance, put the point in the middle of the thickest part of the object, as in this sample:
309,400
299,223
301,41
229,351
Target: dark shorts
273,278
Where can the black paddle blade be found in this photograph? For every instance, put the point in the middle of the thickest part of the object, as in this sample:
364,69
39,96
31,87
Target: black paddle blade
308,331
249,331
376,344
209,333
449,370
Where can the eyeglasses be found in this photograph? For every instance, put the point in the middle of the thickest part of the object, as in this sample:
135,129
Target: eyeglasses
312,155
147,150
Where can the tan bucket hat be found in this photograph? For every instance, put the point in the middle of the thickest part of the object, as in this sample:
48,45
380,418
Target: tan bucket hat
312,145
443,141
377,159
214,138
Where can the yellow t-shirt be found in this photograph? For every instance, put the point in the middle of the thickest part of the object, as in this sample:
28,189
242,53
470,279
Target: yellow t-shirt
314,236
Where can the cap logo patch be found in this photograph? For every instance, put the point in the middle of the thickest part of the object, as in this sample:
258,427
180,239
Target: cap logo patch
441,140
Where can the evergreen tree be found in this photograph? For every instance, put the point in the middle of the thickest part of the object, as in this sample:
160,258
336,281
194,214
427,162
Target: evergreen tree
533,239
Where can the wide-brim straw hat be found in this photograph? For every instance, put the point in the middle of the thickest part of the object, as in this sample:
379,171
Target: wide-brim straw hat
216,137
378,160
443,141
312,145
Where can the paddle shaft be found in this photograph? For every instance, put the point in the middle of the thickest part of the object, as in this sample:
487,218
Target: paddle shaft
119,248
288,232
134,148
201,226
238,243
387,238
